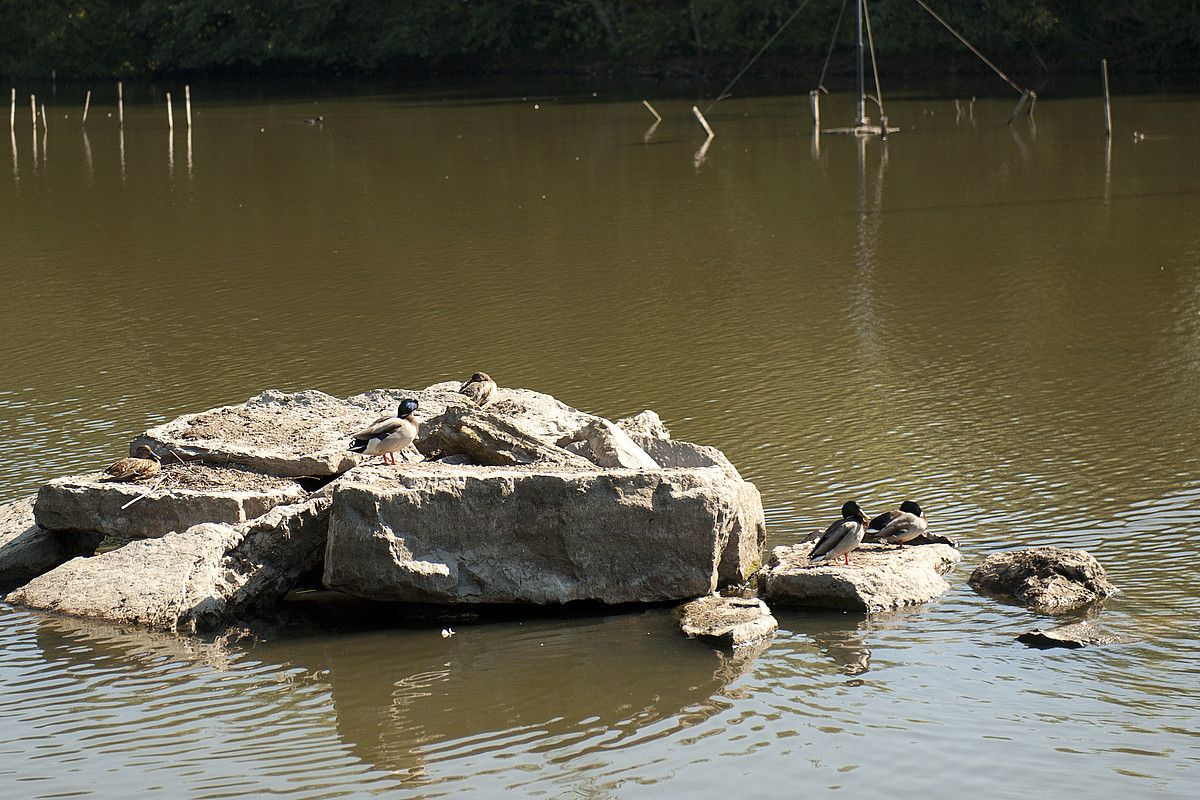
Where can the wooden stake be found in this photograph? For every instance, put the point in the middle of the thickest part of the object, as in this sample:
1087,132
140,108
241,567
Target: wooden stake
12,113
44,126
170,114
814,105
87,101
1107,99
33,109
120,104
187,102
650,108
703,122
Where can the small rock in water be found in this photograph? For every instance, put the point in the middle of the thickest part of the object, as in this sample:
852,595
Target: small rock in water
1079,634
1050,579
727,621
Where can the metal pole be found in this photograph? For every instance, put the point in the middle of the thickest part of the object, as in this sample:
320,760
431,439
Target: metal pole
861,109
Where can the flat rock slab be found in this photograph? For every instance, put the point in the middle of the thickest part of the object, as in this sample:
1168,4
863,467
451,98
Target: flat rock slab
1074,636
1046,579
28,550
287,434
727,621
879,577
181,496
189,581
460,534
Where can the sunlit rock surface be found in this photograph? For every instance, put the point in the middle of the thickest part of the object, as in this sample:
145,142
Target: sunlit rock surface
539,534
1047,579
180,497
192,580
727,621
878,578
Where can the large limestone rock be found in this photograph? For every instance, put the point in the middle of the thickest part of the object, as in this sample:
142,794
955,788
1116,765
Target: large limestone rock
182,496
289,434
878,578
727,621
27,550
540,534
1046,579
646,424
188,581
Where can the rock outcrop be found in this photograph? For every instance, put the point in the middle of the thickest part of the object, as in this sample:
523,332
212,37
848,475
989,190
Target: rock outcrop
645,424
540,534
182,496
1045,579
491,440
189,581
606,445
28,550
878,578
1073,636
727,621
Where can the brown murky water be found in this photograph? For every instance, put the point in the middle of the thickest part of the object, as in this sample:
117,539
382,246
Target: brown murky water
1001,323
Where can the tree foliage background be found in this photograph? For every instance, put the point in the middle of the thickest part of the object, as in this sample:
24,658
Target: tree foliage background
142,37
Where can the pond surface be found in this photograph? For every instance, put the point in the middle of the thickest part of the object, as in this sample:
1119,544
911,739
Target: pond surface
1003,324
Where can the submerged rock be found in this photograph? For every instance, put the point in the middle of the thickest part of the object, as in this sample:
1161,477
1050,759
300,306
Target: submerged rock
727,621
1047,579
189,581
28,550
182,496
540,534
878,578
1075,635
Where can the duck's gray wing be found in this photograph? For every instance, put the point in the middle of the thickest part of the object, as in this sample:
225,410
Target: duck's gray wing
881,522
829,540
380,428
901,524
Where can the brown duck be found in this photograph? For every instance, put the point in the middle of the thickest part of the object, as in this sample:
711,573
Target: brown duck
144,464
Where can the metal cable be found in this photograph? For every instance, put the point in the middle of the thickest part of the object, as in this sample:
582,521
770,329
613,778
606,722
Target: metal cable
970,46
725,92
837,26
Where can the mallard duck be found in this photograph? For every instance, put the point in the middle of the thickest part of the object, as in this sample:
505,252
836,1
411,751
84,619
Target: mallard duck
388,435
144,464
842,536
479,388
898,527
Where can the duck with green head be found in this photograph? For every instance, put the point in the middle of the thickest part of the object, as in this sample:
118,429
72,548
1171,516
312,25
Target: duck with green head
842,536
899,527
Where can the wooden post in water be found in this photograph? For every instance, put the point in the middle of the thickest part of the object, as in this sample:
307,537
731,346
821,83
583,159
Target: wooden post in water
703,122
44,126
957,110
650,108
170,114
33,110
814,105
12,113
120,104
1107,99
87,101
187,104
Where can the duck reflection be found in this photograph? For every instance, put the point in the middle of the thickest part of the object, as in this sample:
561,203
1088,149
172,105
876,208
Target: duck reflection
838,637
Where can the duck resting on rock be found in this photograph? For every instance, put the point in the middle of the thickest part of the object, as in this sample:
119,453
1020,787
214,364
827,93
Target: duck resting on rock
144,464
898,527
480,388
388,435
842,536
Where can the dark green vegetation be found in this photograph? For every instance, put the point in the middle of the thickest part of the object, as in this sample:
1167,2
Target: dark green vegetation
141,37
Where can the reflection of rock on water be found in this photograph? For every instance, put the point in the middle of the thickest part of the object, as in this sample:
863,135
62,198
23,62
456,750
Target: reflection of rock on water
555,686
844,648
